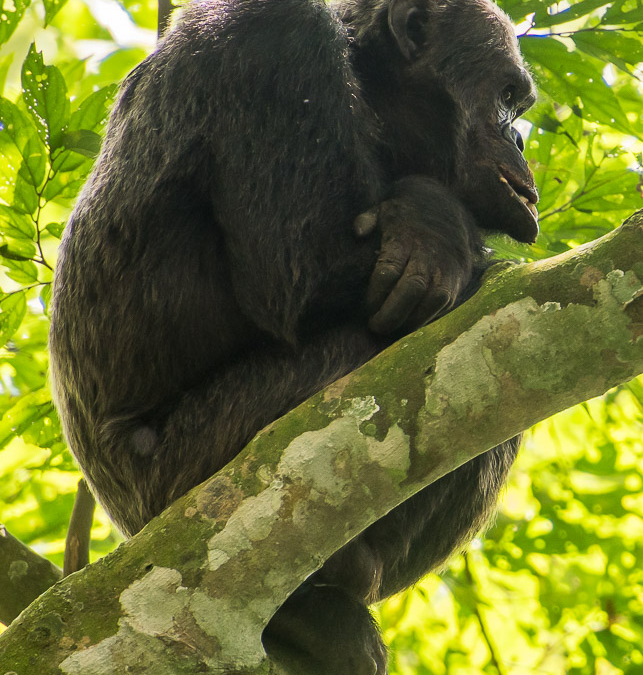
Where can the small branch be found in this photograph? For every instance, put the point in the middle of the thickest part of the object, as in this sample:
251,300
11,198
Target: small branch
79,532
496,657
24,575
24,289
594,29
36,222
165,13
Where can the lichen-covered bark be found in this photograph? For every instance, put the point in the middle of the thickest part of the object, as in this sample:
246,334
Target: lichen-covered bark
193,591
24,575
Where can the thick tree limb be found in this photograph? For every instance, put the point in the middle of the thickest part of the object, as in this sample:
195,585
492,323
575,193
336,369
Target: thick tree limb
24,575
193,591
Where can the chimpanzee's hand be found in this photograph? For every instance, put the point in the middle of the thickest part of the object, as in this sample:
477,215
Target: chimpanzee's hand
429,245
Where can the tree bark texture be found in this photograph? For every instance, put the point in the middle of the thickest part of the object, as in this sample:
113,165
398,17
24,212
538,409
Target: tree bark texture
24,575
193,591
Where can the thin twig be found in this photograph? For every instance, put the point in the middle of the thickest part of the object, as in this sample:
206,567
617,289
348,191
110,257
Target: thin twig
496,657
79,532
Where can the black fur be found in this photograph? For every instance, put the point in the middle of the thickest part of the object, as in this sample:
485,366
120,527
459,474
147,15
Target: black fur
283,190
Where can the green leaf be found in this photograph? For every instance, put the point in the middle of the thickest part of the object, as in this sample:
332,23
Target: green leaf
45,95
63,162
543,19
24,272
572,127
14,307
79,142
25,196
590,165
606,191
82,141
611,47
21,148
552,175
55,229
519,9
44,430
94,110
73,70
569,77
544,119
27,411
23,250
29,371
34,166
52,7
143,12
45,297
5,63
116,66
16,225
16,128
622,12
10,16
66,184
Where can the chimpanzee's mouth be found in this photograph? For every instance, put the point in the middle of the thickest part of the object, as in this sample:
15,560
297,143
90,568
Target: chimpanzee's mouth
527,196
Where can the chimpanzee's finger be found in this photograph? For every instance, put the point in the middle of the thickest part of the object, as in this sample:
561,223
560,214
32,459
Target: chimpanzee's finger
389,268
404,297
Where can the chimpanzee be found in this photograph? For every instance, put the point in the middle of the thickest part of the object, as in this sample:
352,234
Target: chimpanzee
284,189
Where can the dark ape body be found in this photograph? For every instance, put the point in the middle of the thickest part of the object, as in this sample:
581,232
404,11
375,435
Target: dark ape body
215,272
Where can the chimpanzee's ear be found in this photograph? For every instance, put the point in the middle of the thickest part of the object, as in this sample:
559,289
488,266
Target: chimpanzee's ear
407,22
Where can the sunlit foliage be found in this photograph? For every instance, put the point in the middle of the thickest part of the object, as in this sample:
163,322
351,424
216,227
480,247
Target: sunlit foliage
556,585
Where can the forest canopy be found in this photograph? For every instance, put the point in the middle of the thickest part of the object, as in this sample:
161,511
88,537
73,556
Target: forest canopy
556,585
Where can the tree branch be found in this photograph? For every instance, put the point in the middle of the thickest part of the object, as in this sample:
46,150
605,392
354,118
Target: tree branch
193,591
165,8
79,531
28,575
24,575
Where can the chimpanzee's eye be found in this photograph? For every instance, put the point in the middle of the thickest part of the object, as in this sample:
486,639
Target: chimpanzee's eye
509,96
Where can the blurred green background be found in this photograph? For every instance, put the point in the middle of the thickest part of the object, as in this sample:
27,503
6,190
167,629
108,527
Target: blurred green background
556,585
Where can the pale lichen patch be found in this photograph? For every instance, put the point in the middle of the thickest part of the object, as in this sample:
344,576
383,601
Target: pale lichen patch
309,459
387,453
252,521
478,371
157,605
362,408
127,651
17,570
467,372
624,287
237,629
152,603
150,607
